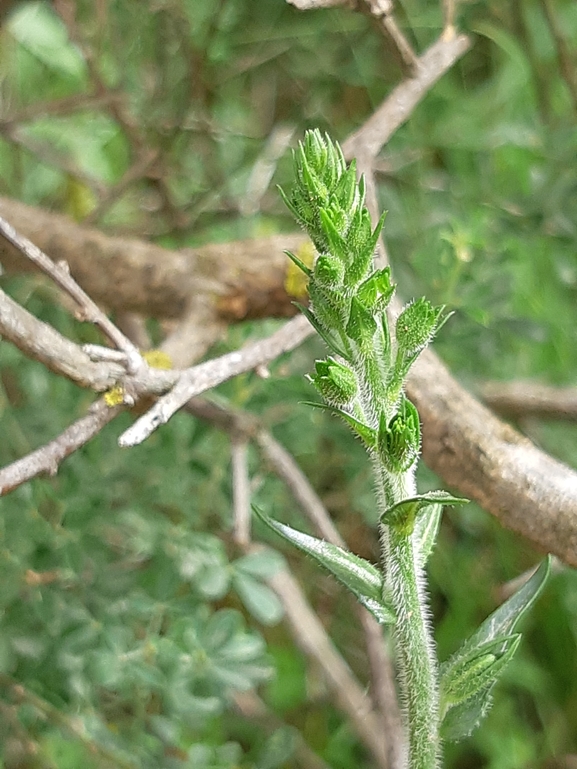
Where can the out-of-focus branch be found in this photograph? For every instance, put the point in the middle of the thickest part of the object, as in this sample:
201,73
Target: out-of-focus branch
67,724
311,5
240,490
243,279
250,706
382,10
565,57
530,399
41,342
488,461
312,638
46,460
367,141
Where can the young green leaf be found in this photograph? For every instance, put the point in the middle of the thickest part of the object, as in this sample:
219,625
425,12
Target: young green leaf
417,325
362,578
476,671
403,515
299,263
365,433
327,337
426,530
504,620
335,381
462,720
496,634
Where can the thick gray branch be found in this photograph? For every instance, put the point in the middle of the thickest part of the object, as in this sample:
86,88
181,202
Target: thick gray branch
399,105
531,399
41,342
490,462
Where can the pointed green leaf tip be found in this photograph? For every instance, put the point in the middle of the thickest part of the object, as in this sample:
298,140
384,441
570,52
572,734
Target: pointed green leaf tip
362,578
475,671
363,431
403,515
399,441
377,290
465,687
416,326
335,381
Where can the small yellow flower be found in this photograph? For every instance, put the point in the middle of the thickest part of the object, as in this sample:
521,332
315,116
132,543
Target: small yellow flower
157,359
114,396
295,282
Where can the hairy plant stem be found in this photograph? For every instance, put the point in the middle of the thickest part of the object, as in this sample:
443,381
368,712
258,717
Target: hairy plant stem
415,651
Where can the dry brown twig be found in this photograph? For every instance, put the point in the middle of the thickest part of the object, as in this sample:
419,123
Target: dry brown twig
365,143
88,310
43,343
382,10
516,400
207,375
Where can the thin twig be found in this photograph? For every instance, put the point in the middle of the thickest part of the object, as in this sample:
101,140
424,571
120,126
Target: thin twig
43,343
136,171
62,106
68,724
60,274
313,639
310,5
449,11
47,459
567,64
399,105
199,378
287,469
240,491
382,10
50,155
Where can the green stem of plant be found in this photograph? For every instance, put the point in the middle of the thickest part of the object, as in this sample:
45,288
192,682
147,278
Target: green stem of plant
415,649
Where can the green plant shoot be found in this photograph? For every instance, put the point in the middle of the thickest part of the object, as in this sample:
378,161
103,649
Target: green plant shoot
363,381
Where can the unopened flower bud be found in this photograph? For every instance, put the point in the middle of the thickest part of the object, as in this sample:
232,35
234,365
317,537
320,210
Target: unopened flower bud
335,381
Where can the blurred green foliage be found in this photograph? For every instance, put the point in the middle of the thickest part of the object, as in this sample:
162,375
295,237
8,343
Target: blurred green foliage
123,603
